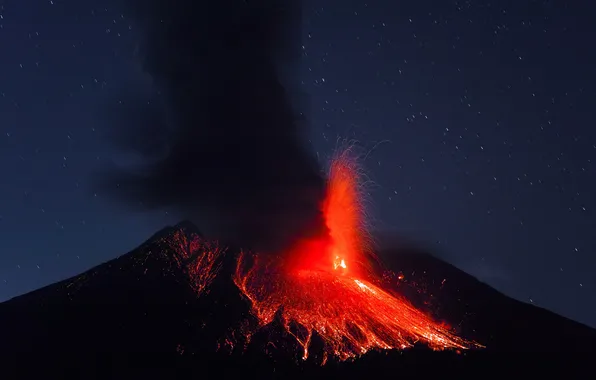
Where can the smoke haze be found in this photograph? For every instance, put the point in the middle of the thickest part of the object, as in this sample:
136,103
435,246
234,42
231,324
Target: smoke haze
223,142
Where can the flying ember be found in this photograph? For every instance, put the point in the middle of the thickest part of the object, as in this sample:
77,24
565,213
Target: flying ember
326,287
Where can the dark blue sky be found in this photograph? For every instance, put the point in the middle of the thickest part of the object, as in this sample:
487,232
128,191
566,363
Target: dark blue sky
487,108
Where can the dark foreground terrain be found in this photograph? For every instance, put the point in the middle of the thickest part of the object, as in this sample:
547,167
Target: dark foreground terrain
137,317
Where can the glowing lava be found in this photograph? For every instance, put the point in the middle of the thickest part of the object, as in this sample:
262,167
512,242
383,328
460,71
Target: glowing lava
328,288
198,257
351,315
344,215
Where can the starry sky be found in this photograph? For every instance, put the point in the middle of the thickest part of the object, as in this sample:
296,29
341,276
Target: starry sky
480,114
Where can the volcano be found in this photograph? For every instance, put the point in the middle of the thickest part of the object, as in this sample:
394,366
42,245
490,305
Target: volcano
174,307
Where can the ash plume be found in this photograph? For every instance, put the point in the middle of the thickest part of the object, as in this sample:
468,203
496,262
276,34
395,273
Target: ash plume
223,143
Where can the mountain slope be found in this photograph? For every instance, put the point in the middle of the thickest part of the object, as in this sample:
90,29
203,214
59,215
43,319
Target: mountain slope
501,323
139,316
139,295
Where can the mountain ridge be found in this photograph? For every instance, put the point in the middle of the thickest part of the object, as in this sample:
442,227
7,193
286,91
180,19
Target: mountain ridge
144,302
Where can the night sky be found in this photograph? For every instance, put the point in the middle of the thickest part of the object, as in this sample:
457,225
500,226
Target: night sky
484,112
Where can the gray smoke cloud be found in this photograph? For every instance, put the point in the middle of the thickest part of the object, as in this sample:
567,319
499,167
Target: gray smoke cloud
223,144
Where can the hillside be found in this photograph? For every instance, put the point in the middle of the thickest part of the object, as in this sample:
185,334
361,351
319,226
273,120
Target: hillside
139,316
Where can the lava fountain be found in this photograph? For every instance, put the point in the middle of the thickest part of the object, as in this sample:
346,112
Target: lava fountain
326,286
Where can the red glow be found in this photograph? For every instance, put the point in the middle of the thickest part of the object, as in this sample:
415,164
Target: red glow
344,215
325,285
345,248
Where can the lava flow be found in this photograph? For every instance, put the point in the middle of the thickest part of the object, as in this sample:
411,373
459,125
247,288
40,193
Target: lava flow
325,286
198,257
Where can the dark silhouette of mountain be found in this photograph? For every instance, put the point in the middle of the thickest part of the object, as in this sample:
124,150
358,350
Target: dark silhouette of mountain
139,316
478,310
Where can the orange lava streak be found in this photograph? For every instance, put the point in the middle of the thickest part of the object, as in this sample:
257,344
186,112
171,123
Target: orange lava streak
322,287
351,315
198,258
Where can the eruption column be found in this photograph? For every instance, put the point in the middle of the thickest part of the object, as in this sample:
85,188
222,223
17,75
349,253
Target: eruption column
320,285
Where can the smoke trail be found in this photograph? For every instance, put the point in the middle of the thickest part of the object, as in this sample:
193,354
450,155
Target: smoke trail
229,139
